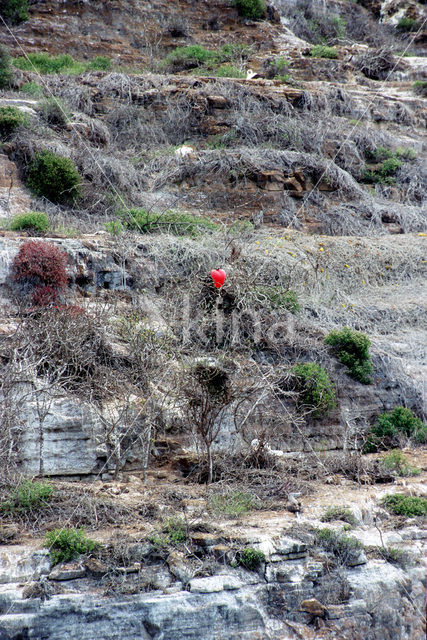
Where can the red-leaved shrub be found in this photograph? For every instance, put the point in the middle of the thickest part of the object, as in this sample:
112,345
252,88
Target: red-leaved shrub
43,296
40,268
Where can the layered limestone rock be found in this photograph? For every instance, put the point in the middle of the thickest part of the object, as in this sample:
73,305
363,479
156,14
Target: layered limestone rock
288,596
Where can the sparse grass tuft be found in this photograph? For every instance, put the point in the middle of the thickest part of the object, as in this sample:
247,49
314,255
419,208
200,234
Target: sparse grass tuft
344,548
398,463
339,513
232,504
172,532
63,63
28,495
420,87
178,223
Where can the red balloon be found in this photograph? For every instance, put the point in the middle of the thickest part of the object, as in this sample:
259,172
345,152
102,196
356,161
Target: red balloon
218,277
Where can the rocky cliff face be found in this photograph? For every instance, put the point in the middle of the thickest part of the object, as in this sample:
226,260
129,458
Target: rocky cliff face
364,600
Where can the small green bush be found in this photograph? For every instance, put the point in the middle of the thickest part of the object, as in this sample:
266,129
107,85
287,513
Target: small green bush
115,227
323,51
54,177
11,119
6,73
173,532
339,513
67,544
317,391
409,506
279,298
398,463
420,87
276,67
391,426
407,24
175,222
28,495
100,63
188,57
228,71
353,351
344,548
250,558
232,504
254,9
175,529
44,63
32,220
32,88
14,11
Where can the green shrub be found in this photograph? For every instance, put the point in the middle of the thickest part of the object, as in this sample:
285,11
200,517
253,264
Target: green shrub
11,119
14,11
100,63
398,463
232,504
353,350
175,529
6,74
28,495
254,9
409,506
67,544
54,112
32,88
176,222
250,558
188,57
420,87
323,51
228,71
32,220
279,298
317,391
63,63
54,177
389,163
391,426
407,24
115,227
344,548
44,63
173,532
339,513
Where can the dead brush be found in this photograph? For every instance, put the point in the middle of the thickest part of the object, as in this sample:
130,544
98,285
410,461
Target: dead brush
72,505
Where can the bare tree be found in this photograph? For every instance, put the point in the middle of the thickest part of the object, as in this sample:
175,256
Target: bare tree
208,394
